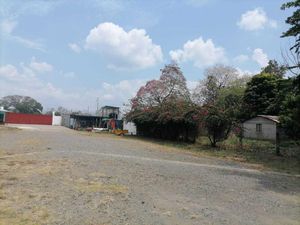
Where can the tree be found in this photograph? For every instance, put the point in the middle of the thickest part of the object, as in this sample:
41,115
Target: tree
163,109
225,115
217,124
21,104
60,110
174,83
290,115
275,69
292,58
221,96
260,96
216,78
294,22
171,85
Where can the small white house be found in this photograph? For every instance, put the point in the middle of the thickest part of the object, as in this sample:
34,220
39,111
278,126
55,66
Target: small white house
261,127
130,126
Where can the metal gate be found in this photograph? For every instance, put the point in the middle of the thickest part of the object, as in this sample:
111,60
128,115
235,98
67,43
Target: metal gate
21,118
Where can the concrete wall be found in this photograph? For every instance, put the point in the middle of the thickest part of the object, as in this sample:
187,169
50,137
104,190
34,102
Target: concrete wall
56,120
268,129
130,127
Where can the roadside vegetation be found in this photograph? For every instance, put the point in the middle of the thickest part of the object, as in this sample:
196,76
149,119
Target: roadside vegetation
257,154
222,101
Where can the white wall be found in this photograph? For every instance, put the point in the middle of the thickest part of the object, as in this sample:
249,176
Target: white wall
130,126
56,120
268,130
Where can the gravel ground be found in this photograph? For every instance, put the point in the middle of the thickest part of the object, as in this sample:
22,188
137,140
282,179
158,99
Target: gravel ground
53,175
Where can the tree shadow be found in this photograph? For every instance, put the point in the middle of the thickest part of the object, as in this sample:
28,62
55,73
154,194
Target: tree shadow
280,183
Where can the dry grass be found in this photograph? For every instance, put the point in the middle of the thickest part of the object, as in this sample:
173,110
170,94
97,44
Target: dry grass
35,216
6,128
255,153
16,204
97,186
19,204
3,153
33,142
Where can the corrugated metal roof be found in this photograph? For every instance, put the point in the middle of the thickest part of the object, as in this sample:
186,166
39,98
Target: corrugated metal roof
269,117
111,107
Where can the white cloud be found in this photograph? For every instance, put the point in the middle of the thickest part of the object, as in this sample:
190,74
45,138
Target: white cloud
9,72
18,8
245,73
260,57
200,52
74,47
241,58
40,67
23,80
256,19
123,90
7,27
124,50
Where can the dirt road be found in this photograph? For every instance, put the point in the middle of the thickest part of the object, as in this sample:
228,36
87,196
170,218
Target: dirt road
53,175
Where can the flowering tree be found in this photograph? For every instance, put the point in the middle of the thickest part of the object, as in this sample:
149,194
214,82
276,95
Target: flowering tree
163,109
171,85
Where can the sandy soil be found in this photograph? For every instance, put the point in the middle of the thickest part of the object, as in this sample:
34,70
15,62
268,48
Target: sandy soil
53,175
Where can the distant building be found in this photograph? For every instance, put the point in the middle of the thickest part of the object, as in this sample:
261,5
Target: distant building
2,115
111,112
261,127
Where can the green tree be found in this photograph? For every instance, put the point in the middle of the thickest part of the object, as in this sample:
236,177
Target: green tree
21,104
291,57
275,69
261,96
290,114
217,124
225,115
294,22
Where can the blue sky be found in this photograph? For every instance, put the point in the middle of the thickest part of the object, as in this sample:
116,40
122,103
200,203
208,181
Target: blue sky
68,53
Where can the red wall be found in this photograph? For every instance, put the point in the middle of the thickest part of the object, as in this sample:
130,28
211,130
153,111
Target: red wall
21,118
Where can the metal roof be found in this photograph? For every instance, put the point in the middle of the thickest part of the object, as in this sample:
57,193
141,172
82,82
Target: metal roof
112,107
269,117
90,116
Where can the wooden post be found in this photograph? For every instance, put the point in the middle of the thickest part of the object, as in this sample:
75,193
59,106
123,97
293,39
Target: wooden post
277,142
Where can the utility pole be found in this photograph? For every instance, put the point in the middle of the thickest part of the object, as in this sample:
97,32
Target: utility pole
97,104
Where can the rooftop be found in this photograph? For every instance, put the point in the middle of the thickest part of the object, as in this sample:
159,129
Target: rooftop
269,117
111,107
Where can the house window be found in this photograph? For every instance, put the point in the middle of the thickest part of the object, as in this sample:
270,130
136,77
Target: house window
258,127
